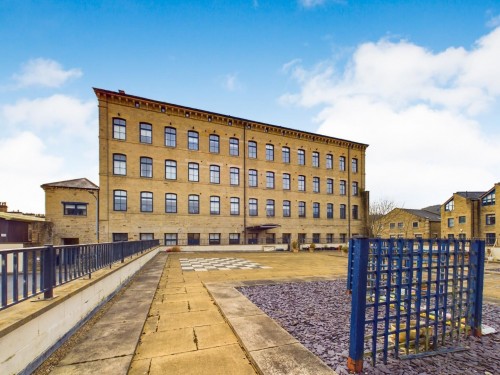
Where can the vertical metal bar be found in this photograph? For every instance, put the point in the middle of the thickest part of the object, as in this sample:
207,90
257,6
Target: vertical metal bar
388,298
358,305
479,247
48,272
349,264
34,273
418,291
376,257
15,277
445,288
4,279
25,274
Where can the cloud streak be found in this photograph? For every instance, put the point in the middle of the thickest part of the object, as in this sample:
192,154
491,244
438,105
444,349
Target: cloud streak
45,73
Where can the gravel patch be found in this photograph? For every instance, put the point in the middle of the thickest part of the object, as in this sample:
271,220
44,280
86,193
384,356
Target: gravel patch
318,315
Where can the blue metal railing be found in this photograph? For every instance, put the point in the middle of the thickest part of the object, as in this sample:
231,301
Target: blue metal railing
28,272
413,297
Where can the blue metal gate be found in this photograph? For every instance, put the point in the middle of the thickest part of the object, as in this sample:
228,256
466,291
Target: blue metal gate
413,297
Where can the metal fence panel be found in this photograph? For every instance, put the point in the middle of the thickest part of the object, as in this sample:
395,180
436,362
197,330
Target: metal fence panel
413,297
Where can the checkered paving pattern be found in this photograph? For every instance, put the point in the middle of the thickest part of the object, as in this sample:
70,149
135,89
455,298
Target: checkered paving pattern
218,264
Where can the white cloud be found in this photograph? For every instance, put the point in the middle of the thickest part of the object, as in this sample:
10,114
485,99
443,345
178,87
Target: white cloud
316,3
45,140
419,110
494,22
60,113
44,72
230,82
26,164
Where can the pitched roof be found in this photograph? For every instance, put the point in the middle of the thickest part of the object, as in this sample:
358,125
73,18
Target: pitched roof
19,216
436,209
424,214
78,183
470,194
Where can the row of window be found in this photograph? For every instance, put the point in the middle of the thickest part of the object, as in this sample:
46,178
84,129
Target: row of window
172,239
489,219
146,205
401,225
193,143
146,170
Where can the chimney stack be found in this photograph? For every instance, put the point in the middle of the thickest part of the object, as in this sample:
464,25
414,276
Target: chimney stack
3,207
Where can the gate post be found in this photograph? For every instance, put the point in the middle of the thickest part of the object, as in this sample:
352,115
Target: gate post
478,247
358,304
48,272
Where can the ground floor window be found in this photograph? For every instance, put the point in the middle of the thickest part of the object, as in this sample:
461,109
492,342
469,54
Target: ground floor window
270,238
146,236
343,237
329,237
170,239
462,236
193,238
302,238
316,238
117,237
490,239
253,238
214,238
286,237
234,238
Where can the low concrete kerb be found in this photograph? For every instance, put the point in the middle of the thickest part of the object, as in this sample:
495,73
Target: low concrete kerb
271,349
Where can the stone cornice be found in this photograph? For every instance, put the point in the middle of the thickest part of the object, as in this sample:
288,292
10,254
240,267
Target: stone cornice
124,99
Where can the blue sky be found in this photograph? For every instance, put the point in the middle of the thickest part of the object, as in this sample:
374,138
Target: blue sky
417,80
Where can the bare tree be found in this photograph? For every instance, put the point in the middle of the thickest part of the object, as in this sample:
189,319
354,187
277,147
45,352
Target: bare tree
376,216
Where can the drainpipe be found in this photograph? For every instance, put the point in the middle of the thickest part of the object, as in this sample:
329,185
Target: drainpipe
349,192
244,184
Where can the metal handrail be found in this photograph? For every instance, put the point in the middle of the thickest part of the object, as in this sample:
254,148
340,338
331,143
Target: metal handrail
27,272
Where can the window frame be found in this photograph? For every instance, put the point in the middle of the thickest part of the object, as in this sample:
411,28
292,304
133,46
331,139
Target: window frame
144,166
193,140
253,178
119,165
269,152
214,144
146,201
342,163
193,173
75,208
253,207
214,205
214,174
287,208
170,168
234,176
270,180
329,186
234,146
329,161
121,198
252,150
343,187
143,138
119,129
316,183
315,159
170,136
301,182
316,210
193,204
329,210
170,208
234,206
285,154
301,157
342,211
301,209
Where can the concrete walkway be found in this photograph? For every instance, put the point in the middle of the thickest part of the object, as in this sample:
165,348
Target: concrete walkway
199,324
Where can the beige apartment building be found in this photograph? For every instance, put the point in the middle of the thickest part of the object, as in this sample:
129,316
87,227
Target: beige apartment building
70,206
410,223
488,228
189,176
472,215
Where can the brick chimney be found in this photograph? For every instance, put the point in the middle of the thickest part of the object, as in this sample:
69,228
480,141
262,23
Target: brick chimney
3,207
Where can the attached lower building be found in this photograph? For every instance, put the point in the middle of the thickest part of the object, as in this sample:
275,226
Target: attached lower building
189,176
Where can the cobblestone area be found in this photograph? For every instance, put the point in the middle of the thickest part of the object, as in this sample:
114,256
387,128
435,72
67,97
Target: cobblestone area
318,313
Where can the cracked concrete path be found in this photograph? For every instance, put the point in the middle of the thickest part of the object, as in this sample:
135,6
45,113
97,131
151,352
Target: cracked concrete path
110,344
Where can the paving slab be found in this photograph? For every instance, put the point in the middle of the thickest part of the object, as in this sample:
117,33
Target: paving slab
165,343
108,347
228,359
